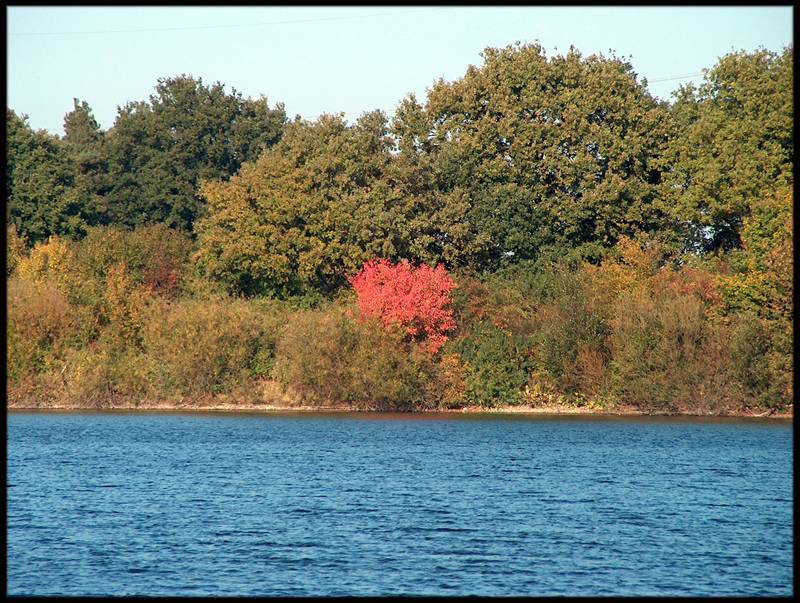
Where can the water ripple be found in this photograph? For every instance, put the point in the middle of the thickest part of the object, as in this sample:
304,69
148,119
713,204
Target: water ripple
182,505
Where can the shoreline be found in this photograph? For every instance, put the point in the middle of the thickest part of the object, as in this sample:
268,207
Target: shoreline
234,408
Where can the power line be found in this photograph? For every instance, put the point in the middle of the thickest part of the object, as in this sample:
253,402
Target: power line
262,24
677,77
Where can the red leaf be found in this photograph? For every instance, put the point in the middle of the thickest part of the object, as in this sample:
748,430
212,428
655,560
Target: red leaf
415,299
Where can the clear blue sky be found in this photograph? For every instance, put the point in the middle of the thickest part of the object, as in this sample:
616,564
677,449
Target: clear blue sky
350,59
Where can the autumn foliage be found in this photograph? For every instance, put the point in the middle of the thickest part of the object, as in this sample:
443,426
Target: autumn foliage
614,251
414,298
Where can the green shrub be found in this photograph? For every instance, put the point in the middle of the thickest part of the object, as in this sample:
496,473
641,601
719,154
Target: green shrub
496,365
98,375
157,257
568,344
447,386
206,347
491,297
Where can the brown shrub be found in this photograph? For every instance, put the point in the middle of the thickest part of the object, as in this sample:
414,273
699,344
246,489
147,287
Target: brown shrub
328,357
448,388
42,326
655,346
590,372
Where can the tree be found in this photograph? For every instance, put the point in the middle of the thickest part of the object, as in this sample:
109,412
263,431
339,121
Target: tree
319,204
437,217
84,142
415,299
762,281
39,175
734,145
81,130
159,151
559,153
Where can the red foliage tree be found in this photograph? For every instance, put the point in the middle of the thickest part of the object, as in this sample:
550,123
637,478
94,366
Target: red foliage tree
414,298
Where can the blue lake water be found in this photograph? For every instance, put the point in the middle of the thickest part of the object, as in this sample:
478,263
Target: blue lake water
342,504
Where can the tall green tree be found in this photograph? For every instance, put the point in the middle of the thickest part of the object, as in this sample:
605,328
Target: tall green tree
158,151
84,142
437,216
39,177
559,153
735,145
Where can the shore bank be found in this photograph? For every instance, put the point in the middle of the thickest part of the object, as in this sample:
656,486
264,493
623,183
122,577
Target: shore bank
251,407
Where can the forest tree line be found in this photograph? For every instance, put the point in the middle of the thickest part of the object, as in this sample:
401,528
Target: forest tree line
607,248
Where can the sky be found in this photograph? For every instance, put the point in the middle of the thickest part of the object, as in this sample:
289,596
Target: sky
343,59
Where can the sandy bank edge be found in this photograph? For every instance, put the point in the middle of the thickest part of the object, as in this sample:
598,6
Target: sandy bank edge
267,408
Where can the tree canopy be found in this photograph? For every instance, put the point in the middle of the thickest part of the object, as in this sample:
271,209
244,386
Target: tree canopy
560,152
39,178
313,209
84,143
524,158
735,143
159,151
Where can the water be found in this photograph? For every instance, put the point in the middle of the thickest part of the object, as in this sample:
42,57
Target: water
171,504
